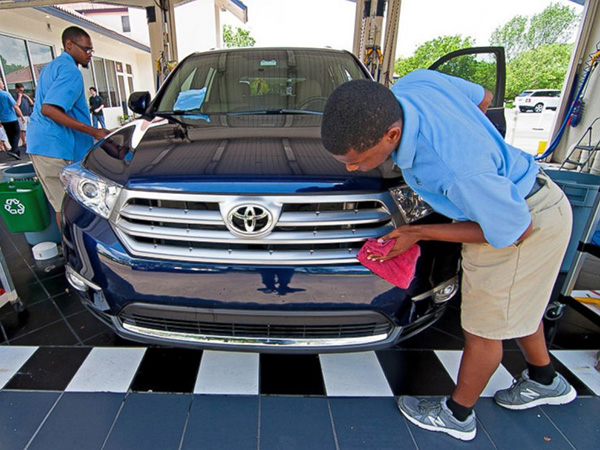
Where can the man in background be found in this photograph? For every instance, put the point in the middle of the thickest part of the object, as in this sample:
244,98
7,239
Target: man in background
8,120
96,107
60,131
26,104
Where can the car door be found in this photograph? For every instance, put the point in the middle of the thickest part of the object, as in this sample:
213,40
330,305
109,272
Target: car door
482,65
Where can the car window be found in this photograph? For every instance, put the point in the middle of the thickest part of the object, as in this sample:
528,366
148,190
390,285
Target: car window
478,68
259,79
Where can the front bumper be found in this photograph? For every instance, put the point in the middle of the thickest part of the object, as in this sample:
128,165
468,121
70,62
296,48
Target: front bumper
253,308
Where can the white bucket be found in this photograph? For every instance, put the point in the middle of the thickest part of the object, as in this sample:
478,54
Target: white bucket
45,250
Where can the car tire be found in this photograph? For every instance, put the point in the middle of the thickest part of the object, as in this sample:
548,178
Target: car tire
538,108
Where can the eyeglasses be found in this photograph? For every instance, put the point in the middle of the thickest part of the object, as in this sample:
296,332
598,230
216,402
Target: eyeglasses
88,50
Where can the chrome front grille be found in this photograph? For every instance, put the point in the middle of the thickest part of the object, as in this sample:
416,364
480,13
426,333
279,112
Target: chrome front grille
255,328
302,229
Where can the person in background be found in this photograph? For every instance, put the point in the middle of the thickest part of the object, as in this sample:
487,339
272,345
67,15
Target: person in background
8,120
60,131
96,108
26,104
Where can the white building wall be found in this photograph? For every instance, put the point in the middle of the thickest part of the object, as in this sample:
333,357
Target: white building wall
36,29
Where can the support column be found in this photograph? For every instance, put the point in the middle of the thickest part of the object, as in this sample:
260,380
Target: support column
163,39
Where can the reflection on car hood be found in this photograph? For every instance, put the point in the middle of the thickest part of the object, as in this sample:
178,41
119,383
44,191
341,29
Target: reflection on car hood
228,147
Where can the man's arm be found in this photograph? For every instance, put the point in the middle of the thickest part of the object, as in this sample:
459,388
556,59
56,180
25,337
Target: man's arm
100,108
58,115
28,99
18,99
18,111
459,232
487,100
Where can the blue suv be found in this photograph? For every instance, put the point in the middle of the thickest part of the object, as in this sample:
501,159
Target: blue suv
218,220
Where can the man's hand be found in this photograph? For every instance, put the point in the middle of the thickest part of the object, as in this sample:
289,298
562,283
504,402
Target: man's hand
405,237
100,133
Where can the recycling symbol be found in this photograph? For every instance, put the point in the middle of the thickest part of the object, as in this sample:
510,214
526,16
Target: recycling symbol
14,206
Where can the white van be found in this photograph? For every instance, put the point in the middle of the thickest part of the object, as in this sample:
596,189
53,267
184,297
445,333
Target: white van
538,100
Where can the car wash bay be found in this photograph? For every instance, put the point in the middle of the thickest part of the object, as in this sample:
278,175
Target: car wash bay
67,381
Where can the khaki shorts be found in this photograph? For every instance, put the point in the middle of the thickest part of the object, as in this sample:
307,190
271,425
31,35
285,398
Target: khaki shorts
47,170
23,123
505,290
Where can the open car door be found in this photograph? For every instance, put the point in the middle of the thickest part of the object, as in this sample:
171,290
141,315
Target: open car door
482,65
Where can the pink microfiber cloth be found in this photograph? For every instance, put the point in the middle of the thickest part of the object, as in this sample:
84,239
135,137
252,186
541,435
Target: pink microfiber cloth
399,270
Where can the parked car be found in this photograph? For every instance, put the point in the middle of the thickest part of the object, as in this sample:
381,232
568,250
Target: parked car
538,100
218,220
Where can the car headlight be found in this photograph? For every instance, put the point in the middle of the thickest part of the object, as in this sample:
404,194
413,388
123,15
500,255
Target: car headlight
95,193
411,205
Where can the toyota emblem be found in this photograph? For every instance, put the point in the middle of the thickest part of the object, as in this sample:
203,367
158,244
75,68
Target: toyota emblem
250,220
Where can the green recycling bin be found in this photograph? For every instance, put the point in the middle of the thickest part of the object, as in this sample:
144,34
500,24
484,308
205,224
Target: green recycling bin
23,206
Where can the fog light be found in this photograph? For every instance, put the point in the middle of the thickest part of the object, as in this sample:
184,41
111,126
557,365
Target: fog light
446,293
78,282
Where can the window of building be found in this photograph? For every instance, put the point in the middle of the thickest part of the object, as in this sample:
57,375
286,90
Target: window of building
125,24
40,56
112,82
14,60
101,82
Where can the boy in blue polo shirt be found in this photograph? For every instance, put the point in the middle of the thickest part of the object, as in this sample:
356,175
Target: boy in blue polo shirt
513,221
60,131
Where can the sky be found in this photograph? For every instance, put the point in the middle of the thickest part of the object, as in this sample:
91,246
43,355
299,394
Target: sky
321,23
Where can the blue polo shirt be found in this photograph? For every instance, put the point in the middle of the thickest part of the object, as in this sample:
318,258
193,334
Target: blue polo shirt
454,157
7,107
60,84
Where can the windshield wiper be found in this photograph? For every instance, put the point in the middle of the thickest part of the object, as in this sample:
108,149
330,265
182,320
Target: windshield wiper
274,112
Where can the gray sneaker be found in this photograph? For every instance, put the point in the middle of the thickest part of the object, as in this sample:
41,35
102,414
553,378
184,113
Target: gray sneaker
526,393
431,413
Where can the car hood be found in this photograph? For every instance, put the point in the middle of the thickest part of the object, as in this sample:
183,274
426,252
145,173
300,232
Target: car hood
225,149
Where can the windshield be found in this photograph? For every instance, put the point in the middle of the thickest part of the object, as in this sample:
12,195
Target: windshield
257,81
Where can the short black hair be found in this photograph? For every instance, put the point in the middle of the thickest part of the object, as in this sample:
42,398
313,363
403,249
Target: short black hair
73,34
357,115
92,88
19,85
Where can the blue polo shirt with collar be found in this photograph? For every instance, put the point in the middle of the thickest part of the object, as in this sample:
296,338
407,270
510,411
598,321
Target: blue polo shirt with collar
60,84
7,107
453,156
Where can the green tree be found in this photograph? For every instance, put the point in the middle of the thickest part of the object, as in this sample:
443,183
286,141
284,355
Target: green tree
542,68
237,38
430,51
511,36
555,24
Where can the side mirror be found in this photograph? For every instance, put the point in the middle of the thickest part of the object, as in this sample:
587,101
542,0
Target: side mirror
139,102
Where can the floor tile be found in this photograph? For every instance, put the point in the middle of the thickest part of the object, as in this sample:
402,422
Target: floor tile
78,421
107,370
415,372
150,421
578,421
85,325
34,317
109,338
68,303
291,375
354,375
501,378
228,373
49,369
30,294
582,363
525,429
56,285
11,360
180,375
295,423
212,419
373,423
21,414
57,333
